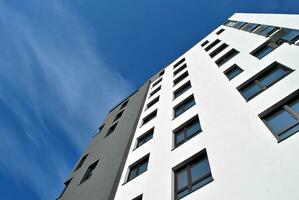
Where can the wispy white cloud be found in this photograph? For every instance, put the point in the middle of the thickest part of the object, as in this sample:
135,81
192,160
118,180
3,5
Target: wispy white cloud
54,89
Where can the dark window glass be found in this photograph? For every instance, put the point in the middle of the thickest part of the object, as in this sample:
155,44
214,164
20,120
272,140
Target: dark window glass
180,69
157,82
233,71
179,62
218,50
290,36
264,80
89,172
138,198
180,78
145,137
229,55
161,73
111,129
192,176
212,45
155,91
153,102
204,43
186,131
81,162
138,168
267,30
219,32
118,115
183,106
239,25
149,117
263,50
284,120
250,27
181,90
124,104
101,128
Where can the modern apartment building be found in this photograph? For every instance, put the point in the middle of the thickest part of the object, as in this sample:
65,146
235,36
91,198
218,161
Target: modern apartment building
220,122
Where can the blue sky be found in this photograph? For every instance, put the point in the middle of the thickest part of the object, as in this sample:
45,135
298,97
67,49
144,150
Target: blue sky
63,64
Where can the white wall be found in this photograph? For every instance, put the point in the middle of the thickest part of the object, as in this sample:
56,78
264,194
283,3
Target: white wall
245,159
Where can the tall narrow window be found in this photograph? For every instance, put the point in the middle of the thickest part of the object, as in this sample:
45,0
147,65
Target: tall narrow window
111,129
186,131
89,171
145,137
212,45
155,91
179,62
193,174
205,43
149,117
218,50
118,115
81,162
157,82
181,90
283,118
138,168
153,102
226,57
232,72
263,80
183,106
184,66
180,78
263,50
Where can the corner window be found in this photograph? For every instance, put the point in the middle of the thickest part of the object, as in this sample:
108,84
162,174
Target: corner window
145,137
218,50
263,80
192,175
283,118
233,71
149,117
181,90
180,78
212,45
183,106
179,62
263,50
226,57
138,168
186,131
89,171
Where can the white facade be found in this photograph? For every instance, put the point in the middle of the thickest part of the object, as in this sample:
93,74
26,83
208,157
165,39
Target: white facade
246,161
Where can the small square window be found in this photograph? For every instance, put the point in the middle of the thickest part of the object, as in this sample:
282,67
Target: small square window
233,71
89,172
138,168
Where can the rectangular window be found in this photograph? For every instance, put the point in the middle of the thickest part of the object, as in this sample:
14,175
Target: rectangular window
212,45
161,73
118,115
111,129
266,30
205,43
153,102
186,131
283,118
89,172
239,25
149,117
157,82
179,62
180,78
219,32
226,57
179,69
145,137
138,168
218,50
181,90
81,162
233,71
250,27
192,174
155,91
263,50
124,104
263,80
290,36
183,106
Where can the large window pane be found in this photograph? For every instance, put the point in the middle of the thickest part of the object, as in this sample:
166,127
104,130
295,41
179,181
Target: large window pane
264,51
200,169
182,179
274,75
251,90
193,128
280,121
